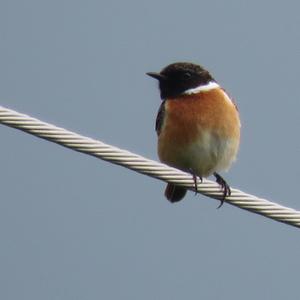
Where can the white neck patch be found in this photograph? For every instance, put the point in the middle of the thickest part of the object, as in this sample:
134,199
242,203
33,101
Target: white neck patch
202,88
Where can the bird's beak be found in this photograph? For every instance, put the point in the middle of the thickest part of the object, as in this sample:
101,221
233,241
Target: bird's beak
157,76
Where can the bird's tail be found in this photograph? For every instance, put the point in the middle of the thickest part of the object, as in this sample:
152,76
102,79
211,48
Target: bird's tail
174,193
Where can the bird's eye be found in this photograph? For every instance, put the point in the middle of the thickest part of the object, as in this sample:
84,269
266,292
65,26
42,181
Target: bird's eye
186,75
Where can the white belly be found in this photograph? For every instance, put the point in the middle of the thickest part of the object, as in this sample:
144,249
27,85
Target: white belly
211,153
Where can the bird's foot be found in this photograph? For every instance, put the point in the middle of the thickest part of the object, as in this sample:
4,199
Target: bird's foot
224,186
195,178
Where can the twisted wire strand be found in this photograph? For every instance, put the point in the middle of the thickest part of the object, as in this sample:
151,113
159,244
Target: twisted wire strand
145,166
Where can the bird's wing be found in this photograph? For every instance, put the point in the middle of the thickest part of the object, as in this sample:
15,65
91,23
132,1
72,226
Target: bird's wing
160,118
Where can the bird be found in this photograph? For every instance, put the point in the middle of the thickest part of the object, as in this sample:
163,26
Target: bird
197,125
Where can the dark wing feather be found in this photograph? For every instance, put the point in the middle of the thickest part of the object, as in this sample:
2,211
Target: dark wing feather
160,118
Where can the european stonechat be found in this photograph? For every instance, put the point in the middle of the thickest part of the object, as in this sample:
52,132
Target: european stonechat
197,124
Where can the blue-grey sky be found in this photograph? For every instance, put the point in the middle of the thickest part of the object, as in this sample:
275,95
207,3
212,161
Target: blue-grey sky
74,227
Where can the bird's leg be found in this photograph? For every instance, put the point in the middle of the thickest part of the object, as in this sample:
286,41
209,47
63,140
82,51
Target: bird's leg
224,186
195,180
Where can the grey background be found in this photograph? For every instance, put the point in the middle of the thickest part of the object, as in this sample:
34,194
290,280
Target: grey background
73,227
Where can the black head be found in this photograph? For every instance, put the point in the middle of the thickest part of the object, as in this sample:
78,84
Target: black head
179,77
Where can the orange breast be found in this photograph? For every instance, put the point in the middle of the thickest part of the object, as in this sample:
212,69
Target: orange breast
188,115
191,116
